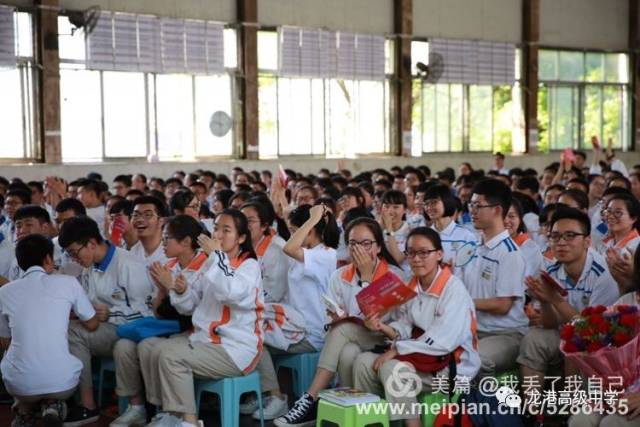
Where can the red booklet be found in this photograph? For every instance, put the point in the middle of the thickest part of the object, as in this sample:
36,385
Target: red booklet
546,277
384,294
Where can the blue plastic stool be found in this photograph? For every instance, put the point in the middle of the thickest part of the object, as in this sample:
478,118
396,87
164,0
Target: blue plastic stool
108,365
229,390
303,367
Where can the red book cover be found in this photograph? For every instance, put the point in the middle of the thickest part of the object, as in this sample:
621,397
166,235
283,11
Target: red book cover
546,277
384,294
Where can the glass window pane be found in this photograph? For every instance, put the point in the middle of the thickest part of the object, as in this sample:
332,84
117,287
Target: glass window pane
456,117
24,41
508,120
592,115
174,99
419,53
317,116
267,50
548,65
70,46
268,116
442,117
80,115
429,118
213,93
389,56
571,66
612,114
124,115
416,117
342,120
480,118
564,117
370,115
594,67
11,125
230,48
616,67
543,119
294,116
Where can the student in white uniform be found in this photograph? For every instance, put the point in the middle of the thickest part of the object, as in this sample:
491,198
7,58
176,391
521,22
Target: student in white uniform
185,202
227,307
13,201
121,211
548,258
268,247
517,229
599,227
147,219
440,206
38,368
415,214
134,361
495,280
119,287
312,260
438,322
346,340
582,273
31,219
396,229
89,195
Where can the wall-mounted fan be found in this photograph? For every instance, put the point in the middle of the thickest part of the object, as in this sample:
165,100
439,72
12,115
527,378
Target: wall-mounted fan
220,123
431,73
85,20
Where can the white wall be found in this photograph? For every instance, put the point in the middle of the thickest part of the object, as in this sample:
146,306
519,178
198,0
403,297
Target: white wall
496,20
367,16
435,161
596,24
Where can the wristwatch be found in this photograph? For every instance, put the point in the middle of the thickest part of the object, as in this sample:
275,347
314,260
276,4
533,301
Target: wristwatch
388,233
364,283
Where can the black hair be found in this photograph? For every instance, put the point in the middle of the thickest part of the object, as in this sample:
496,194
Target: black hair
527,203
224,197
134,192
181,226
384,182
79,229
142,177
71,204
23,195
32,250
366,186
355,213
37,185
262,212
161,208
159,181
32,211
530,183
173,180
242,228
566,212
90,185
615,190
580,181
428,233
632,204
578,196
636,271
125,179
224,180
199,184
442,192
394,197
327,229
499,154
263,199
620,177
180,200
517,206
376,230
554,187
355,192
579,153
242,195
495,192
124,207
157,194
546,211
328,202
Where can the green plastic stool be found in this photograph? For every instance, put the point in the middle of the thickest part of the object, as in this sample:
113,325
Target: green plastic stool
430,399
347,416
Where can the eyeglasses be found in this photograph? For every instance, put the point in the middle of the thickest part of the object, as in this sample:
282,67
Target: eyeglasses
146,215
76,253
568,236
422,254
166,238
194,206
431,202
475,206
366,244
617,213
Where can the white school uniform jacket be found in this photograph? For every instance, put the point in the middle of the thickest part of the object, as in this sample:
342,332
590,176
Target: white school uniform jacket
401,235
497,270
344,287
158,255
453,237
416,219
628,244
308,281
15,272
533,259
7,254
34,312
226,308
274,265
595,286
122,283
446,314
97,214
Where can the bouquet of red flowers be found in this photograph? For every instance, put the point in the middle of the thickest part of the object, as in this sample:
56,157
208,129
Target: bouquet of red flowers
605,343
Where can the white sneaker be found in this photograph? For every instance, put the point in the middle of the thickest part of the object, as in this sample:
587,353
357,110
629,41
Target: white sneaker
274,407
250,406
131,417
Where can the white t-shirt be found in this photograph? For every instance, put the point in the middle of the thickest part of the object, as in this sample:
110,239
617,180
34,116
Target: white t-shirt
97,214
401,235
453,237
158,255
34,312
308,281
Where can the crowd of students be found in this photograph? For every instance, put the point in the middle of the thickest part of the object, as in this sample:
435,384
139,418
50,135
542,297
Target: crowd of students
241,266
